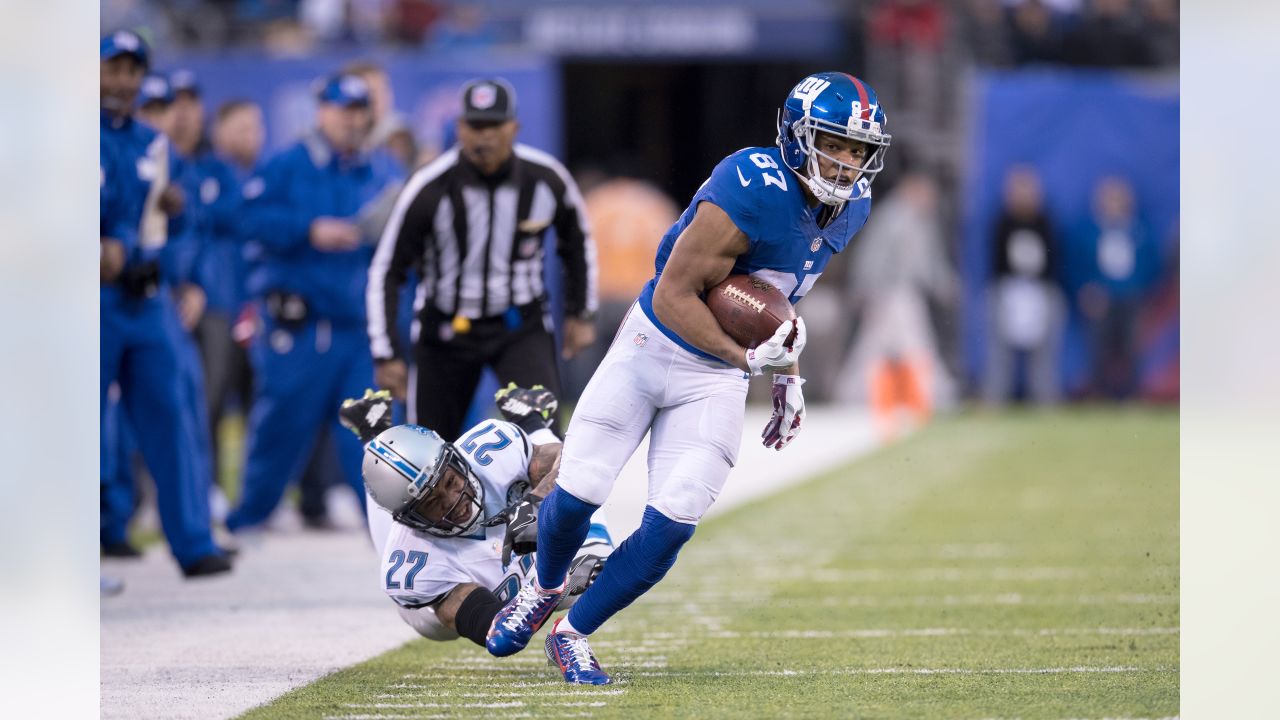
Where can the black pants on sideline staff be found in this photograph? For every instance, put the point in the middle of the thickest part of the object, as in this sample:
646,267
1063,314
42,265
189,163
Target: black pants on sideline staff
447,364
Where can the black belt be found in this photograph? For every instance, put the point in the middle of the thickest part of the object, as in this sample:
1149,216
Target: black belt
513,317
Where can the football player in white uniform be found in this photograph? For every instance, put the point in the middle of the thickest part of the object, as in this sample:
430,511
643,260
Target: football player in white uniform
446,517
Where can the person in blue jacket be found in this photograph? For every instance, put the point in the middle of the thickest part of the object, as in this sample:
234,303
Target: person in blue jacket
181,261
312,210
140,332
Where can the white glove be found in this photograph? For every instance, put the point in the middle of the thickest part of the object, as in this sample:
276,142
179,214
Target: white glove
788,411
772,354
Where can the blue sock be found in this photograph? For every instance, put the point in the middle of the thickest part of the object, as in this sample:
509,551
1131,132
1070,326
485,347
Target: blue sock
563,524
637,565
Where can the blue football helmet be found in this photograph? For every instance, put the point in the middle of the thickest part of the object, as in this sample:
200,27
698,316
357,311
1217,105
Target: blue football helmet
842,105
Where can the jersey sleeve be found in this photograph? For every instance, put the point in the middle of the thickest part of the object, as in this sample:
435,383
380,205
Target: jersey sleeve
733,187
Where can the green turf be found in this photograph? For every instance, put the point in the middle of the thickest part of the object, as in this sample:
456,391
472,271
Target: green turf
1013,565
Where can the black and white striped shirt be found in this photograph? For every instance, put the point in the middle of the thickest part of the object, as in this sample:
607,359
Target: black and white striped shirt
478,242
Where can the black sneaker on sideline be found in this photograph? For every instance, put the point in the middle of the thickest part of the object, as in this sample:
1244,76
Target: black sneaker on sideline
207,565
122,550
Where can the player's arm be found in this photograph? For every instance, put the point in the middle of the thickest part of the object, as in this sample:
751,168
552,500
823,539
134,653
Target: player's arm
468,610
544,466
703,256
405,238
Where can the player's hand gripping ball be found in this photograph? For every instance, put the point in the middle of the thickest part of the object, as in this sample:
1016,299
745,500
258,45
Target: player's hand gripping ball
749,309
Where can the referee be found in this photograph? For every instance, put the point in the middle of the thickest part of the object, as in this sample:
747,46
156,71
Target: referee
472,224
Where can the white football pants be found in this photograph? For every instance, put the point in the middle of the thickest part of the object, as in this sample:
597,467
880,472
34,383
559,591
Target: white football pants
648,384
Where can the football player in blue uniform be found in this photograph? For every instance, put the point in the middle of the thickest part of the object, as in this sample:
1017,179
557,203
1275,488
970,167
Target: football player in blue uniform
776,213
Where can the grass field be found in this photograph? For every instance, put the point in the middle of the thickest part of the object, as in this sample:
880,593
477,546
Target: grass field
992,566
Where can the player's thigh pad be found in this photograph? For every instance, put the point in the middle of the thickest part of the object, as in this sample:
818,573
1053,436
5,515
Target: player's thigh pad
425,622
615,411
693,447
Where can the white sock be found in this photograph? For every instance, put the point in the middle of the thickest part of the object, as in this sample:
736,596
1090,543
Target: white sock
563,625
537,585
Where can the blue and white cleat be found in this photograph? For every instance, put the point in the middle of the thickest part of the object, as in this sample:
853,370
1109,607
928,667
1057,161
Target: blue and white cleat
571,653
520,618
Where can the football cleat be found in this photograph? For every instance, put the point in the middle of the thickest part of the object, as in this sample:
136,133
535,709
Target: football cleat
530,408
571,653
367,416
520,618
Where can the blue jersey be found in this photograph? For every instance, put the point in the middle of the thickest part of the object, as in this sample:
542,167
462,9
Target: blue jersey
214,202
765,200
132,157
302,183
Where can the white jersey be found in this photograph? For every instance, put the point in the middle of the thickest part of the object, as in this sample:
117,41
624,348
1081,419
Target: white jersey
417,569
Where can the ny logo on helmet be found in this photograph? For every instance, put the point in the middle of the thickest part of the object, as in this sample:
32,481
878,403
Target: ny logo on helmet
809,90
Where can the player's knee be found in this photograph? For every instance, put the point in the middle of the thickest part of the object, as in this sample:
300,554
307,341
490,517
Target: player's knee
586,481
663,534
685,502
425,622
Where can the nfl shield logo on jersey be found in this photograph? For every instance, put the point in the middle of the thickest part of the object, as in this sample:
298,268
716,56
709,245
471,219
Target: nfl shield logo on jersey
640,339
817,243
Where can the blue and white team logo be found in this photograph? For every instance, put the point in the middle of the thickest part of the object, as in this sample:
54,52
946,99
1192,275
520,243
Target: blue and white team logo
809,90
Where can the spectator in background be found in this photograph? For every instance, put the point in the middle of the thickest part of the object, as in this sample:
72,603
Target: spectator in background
388,129
1115,262
464,27
1037,33
238,137
900,263
306,209
1026,308
1159,331
628,218
409,22
985,33
1108,35
213,184
1160,28
906,44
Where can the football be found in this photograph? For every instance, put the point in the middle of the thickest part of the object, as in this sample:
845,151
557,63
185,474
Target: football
749,309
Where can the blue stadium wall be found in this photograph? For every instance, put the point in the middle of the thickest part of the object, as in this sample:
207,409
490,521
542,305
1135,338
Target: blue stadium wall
1074,128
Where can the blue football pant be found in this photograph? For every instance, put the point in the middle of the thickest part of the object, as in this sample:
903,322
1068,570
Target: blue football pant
301,377
119,495
142,348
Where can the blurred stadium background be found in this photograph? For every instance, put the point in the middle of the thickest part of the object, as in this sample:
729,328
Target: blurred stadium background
650,96
1023,247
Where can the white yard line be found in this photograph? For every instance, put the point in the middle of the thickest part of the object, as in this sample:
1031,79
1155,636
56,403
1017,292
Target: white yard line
303,605
907,671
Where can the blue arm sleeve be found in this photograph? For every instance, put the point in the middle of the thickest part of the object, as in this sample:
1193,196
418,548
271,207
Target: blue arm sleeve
269,217
113,216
